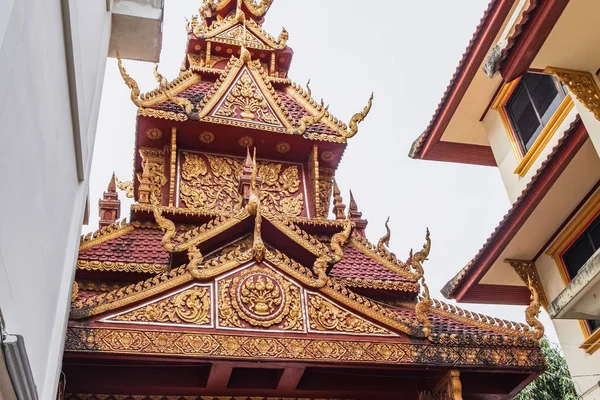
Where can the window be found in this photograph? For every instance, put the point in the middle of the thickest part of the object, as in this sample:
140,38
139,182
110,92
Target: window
532,104
582,249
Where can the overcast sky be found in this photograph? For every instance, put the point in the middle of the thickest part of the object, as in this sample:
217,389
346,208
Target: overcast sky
403,51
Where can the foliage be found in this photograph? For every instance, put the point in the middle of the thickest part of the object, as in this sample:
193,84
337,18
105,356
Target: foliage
555,383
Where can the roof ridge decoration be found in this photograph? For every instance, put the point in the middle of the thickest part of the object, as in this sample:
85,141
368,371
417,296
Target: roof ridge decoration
163,86
424,305
384,257
384,243
103,234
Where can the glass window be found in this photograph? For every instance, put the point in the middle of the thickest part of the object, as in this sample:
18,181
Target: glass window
532,104
582,249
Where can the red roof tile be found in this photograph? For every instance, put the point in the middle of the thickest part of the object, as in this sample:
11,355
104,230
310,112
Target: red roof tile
194,93
355,264
141,245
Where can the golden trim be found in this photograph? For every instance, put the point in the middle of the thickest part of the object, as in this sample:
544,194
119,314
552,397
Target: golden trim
176,86
218,345
386,259
504,94
161,114
592,343
142,268
111,231
542,140
378,284
173,159
582,84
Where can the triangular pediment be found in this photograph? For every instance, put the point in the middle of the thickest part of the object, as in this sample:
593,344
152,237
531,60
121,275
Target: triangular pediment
238,35
247,101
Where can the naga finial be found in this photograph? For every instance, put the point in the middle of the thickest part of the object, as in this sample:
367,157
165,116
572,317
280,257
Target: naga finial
130,82
308,89
195,258
533,311
254,197
338,240
384,243
307,121
358,118
127,186
165,224
283,37
258,246
163,86
422,309
419,257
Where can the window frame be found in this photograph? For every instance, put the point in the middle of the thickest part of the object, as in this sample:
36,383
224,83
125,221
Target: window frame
526,158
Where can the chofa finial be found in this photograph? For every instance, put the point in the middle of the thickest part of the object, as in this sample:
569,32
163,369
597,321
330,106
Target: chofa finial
384,243
358,118
533,311
130,82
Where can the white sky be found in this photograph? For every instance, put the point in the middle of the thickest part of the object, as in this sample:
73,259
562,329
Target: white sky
405,52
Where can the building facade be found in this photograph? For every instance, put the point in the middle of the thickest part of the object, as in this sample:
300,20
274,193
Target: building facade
52,58
230,279
525,99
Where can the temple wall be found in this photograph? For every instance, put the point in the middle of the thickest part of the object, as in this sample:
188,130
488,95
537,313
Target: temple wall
44,166
506,157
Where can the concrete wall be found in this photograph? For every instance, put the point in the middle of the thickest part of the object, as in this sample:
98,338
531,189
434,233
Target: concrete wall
46,143
583,366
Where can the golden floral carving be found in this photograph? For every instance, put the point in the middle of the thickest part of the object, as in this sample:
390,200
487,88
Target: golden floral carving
211,182
283,147
163,342
261,298
527,270
582,85
245,141
154,133
246,101
118,266
327,156
170,115
191,306
127,186
326,317
207,137
153,176
379,284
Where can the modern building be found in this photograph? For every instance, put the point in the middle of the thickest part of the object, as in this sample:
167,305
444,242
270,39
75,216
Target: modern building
230,279
525,99
52,59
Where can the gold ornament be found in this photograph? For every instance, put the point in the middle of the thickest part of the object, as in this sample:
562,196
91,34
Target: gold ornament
384,243
245,141
582,85
325,317
192,306
327,156
154,133
283,147
207,137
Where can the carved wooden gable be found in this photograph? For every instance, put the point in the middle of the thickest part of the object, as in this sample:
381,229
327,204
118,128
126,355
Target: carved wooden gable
255,297
210,182
237,35
247,100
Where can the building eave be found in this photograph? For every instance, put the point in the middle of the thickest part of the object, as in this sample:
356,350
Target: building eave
477,49
460,286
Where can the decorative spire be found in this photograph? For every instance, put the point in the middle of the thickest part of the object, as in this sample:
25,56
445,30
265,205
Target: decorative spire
110,205
358,118
339,208
353,209
384,243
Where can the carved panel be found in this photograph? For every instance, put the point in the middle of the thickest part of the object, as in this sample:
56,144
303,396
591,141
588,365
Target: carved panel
190,306
324,316
246,102
258,297
325,191
152,179
120,341
210,182
239,35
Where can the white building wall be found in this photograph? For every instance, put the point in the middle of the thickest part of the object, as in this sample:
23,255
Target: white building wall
507,159
585,368
43,195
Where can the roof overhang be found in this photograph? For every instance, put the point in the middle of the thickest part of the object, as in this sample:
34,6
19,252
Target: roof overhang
546,202
455,133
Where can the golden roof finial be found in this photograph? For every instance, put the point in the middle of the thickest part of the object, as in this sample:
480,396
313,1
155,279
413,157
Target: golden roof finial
307,121
130,82
308,90
423,307
165,224
533,311
419,257
338,240
258,246
384,242
127,186
163,87
254,197
358,118
283,36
